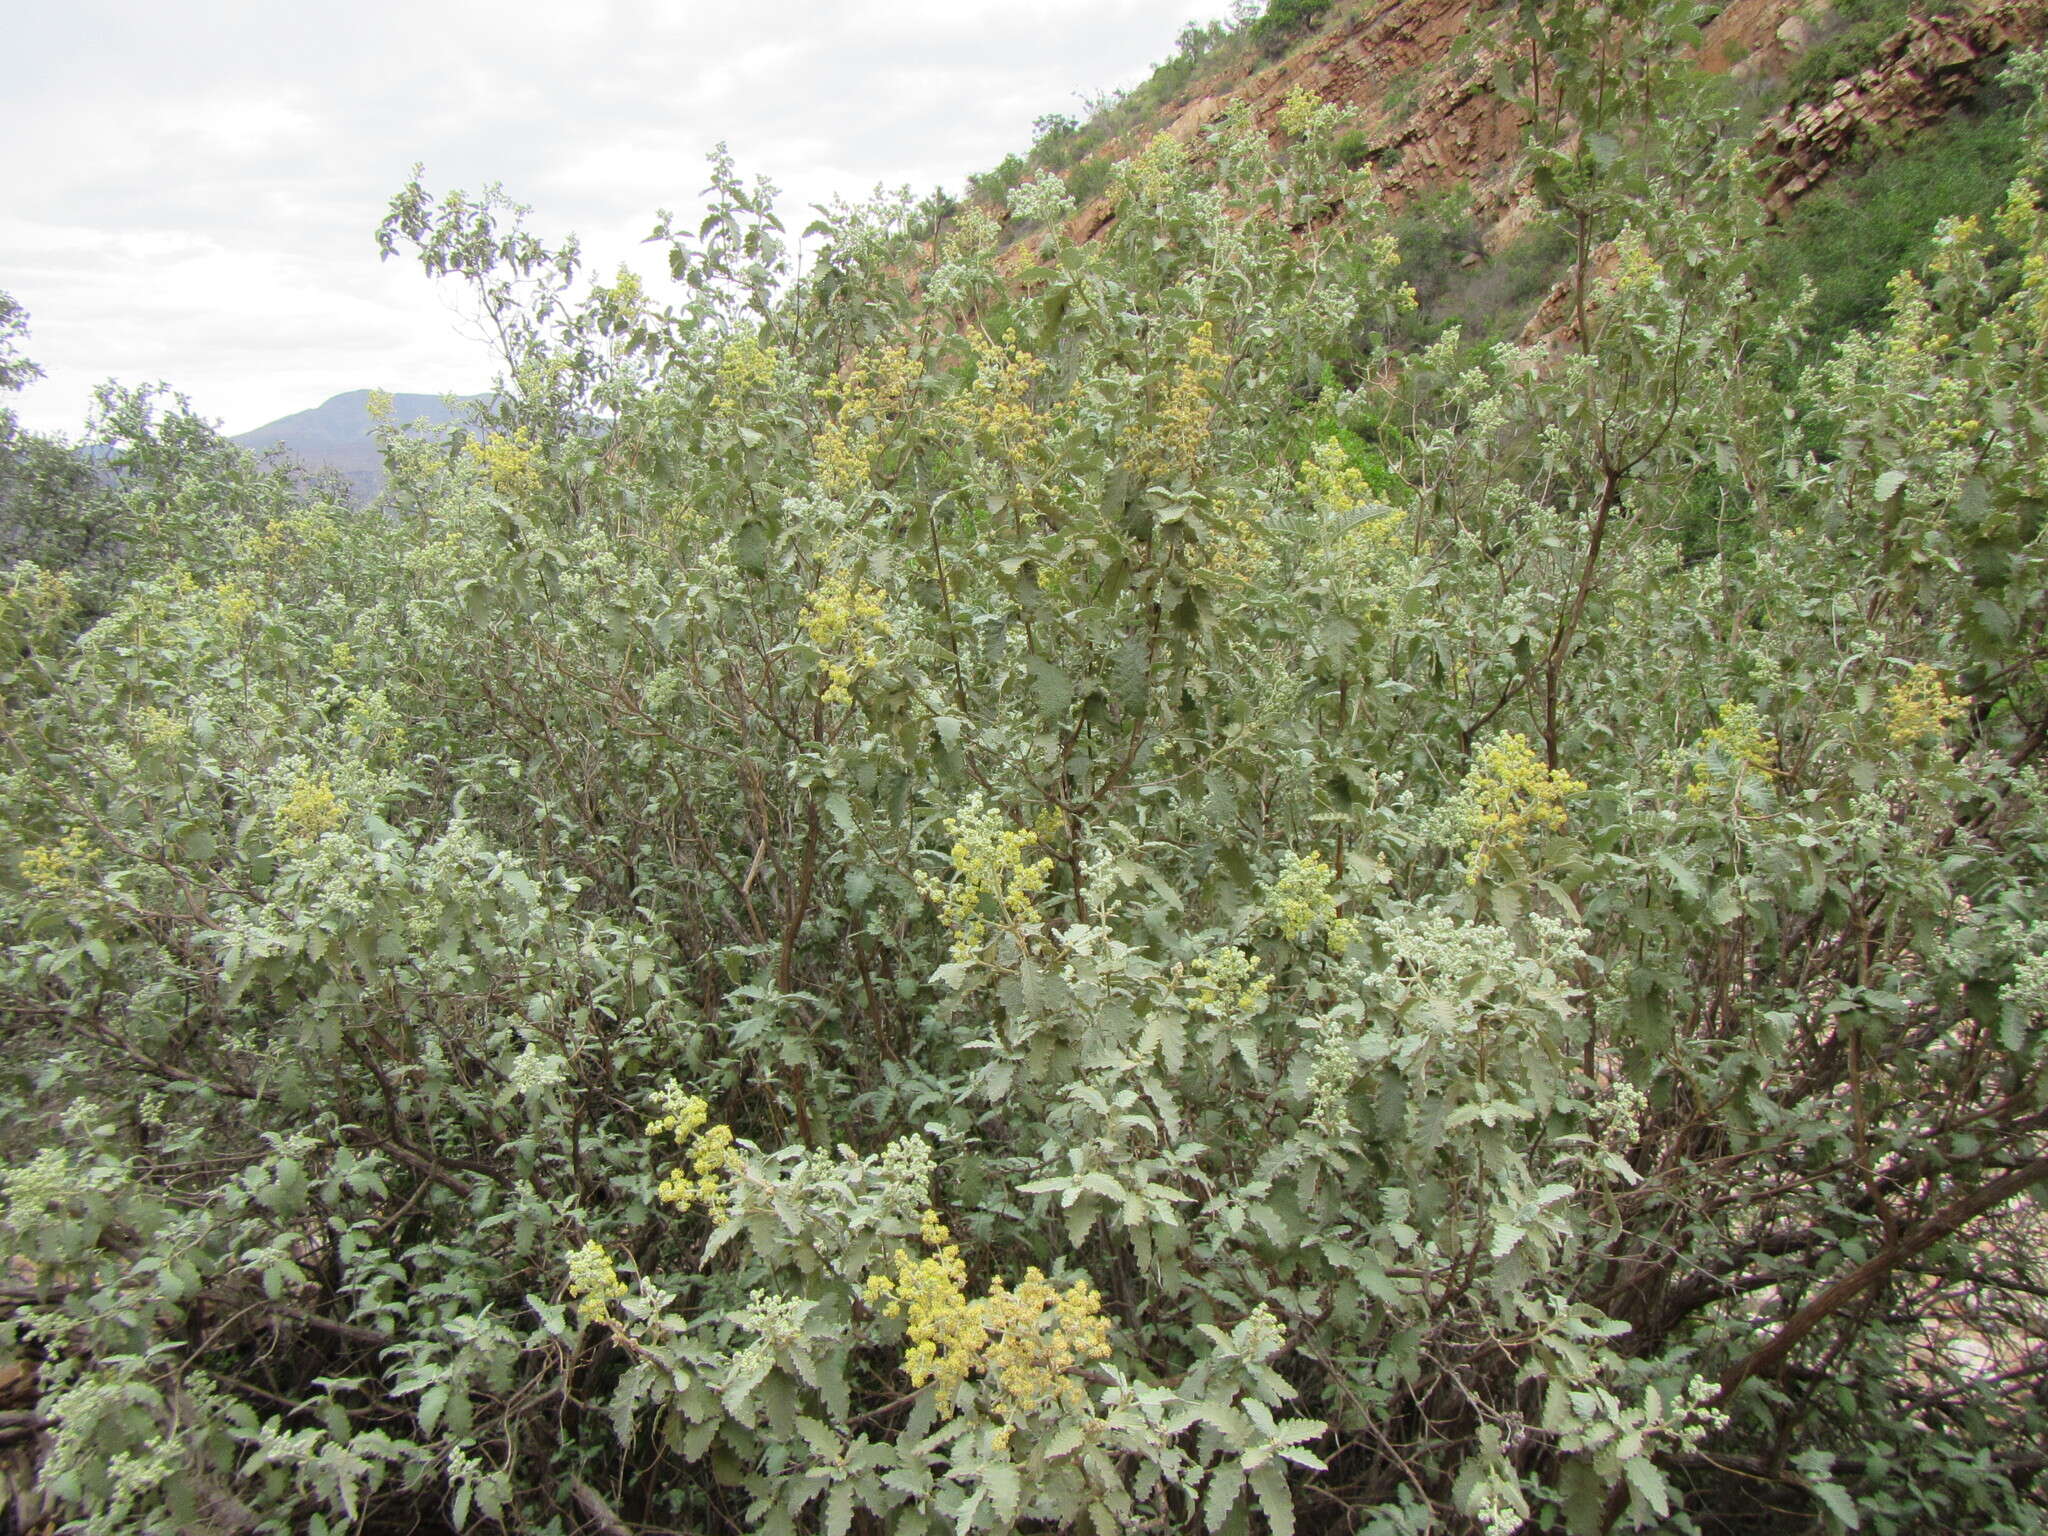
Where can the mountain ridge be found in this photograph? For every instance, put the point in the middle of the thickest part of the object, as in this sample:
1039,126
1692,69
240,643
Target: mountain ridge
338,436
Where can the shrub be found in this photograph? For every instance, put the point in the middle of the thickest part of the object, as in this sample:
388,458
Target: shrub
1285,20
1851,235
933,906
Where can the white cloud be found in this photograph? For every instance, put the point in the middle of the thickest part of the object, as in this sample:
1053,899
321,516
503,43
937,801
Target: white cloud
193,189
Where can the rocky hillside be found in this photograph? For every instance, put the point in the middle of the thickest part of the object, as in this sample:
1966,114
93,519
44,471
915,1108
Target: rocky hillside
1418,77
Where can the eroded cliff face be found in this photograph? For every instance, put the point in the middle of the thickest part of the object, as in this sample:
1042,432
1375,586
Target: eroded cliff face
1919,75
1417,77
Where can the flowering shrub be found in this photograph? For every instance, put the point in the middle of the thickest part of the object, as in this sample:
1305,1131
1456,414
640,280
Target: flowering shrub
1460,995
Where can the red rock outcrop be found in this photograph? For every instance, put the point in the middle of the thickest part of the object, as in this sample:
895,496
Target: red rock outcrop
1919,75
1417,78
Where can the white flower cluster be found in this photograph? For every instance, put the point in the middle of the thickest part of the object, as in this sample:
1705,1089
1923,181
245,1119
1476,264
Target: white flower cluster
1042,201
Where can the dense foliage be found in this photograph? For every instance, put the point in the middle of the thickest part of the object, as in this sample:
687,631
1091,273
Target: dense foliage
925,897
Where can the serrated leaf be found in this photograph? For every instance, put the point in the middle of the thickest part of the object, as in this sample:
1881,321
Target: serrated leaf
1275,1498
1226,1486
840,809
432,1401
1838,1502
818,1435
1648,1483
839,1509
1006,1491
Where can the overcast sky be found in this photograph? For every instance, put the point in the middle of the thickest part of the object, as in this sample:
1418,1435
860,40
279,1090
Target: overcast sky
192,187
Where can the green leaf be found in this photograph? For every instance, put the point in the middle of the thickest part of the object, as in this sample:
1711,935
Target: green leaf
1648,1482
840,809
1226,1486
839,1509
750,547
1275,1498
1006,1492
1838,1503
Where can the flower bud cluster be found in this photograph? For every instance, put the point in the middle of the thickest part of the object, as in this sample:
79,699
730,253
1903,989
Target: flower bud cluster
1732,752
593,1282
744,369
1029,1345
994,409
309,810
992,877
59,866
1228,984
869,392
844,619
712,1160
1636,270
511,466
233,606
1297,114
1300,900
1332,482
1918,707
1151,174
1510,795
290,542
1173,441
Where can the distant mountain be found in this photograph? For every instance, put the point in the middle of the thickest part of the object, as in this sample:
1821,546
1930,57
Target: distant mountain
339,435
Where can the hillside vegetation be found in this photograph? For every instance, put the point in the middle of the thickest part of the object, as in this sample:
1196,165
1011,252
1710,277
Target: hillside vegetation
939,892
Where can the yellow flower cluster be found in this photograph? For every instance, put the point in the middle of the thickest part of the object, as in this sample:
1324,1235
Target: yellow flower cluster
309,810
1234,550
1153,172
1228,984
510,465
712,1159
1918,707
35,597
594,1283
1336,487
974,232
1914,331
844,619
1509,795
1635,268
994,409
233,605
373,723
992,878
1955,242
2021,223
159,728
1728,752
744,368
872,389
1300,900
1029,1345
944,1327
290,542
1173,440
1297,113
59,866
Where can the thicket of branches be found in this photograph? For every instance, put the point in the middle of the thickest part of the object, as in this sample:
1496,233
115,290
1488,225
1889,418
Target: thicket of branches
921,898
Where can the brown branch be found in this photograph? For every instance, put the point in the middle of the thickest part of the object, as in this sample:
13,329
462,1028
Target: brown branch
1908,1245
